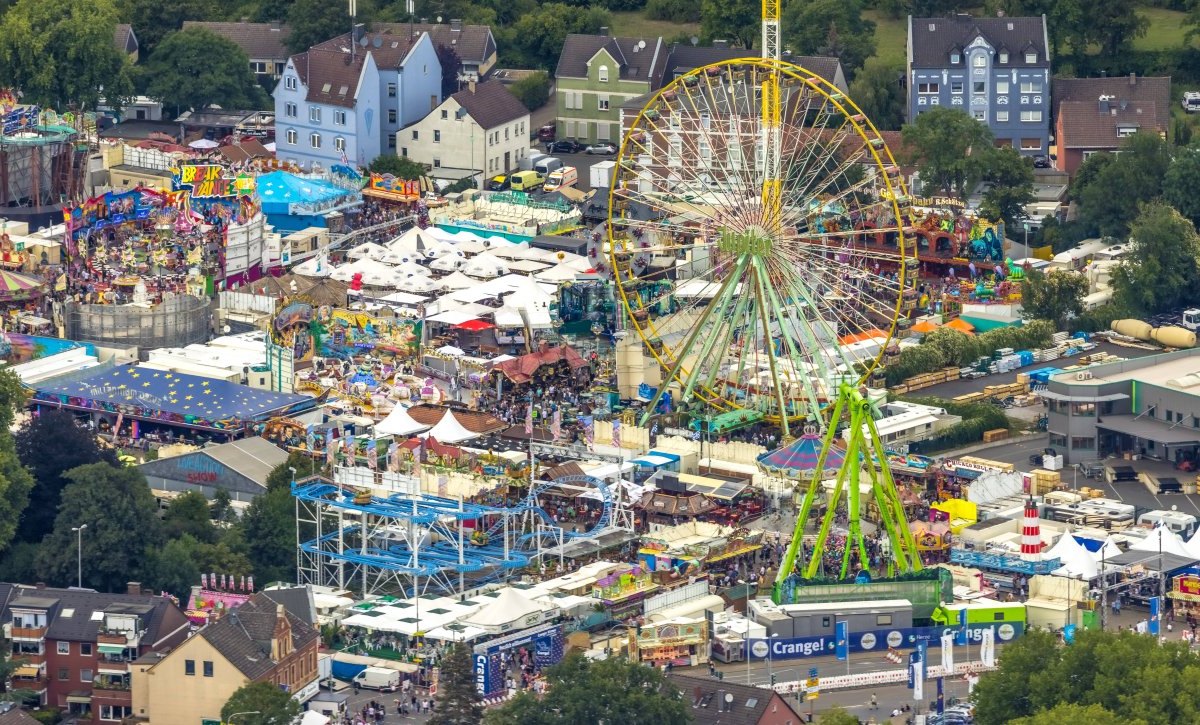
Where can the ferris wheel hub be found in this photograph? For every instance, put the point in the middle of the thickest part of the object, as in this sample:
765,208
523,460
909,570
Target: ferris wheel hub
753,241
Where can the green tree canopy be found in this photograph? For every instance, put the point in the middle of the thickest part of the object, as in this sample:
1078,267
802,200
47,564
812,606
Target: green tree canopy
830,27
60,54
315,21
738,21
1056,295
270,526
122,526
1161,271
49,445
1009,177
877,91
950,149
1073,714
837,716
1181,181
397,166
537,38
458,699
262,703
189,513
1137,172
581,691
281,476
533,91
195,68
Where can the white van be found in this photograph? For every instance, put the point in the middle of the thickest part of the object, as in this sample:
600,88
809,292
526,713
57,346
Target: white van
566,176
547,164
378,678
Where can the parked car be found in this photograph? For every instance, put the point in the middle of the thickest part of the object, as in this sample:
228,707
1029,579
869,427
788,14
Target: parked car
603,149
546,133
1041,162
566,147
498,183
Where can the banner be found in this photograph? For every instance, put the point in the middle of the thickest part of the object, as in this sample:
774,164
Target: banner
918,678
841,635
960,637
879,640
987,651
948,653
1155,615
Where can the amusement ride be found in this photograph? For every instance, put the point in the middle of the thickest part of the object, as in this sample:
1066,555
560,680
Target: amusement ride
756,240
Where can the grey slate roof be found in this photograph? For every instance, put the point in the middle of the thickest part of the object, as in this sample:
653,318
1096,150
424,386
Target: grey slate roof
297,600
254,458
931,40
473,43
80,604
330,71
636,64
750,704
262,41
491,105
1155,89
243,636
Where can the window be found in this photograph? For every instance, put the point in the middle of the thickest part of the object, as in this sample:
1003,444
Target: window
979,87
259,66
1031,56
85,649
404,151
675,155
883,620
927,88
392,141
115,712
1001,116
601,103
979,61
291,136
339,118
64,674
85,676
1035,144
1058,440
290,83
1031,116
391,115
603,74
446,115
64,648
414,135
314,140
1085,443
956,58
1001,88
1031,86
314,115
289,109
391,90
1080,409
189,668
208,668
437,136
339,143
956,86
1126,131
437,163
979,114
1004,56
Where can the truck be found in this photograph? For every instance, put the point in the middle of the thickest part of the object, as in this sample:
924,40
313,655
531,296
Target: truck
601,174
566,176
378,678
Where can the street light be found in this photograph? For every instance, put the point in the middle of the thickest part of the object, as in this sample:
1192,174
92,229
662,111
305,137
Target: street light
79,554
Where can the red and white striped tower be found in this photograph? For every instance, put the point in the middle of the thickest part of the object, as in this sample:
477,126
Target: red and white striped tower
1031,533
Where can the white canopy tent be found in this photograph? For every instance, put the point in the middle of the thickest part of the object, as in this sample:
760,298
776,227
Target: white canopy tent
421,285
449,430
457,281
528,266
1164,540
451,317
447,263
471,247
557,273
1077,562
370,250
485,266
508,611
399,423
442,249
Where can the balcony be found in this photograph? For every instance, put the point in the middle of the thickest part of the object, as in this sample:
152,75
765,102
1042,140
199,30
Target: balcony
27,633
119,683
120,638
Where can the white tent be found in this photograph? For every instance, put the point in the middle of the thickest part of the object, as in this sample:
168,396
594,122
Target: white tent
439,233
577,262
449,430
409,269
421,285
484,266
527,266
516,251
470,247
312,717
1111,549
317,266
1077,562
465,236
1193,545
399,256
370,250
451,351
557,273
457,280
415,240
509,608
399,423
441,249
1162,539
446,263
496,242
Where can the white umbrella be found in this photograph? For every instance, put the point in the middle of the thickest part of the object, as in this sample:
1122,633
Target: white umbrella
485,266
457,280
397,257
448,263
421,285
410,269
370,250
203,143
451,351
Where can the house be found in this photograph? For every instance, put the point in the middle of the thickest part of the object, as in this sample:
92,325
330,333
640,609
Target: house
239,467
346,98
77,646
1095,114
481,131
724,702
596,74
682,58
996,69
10,714
259,641
126,41
263,43
474,44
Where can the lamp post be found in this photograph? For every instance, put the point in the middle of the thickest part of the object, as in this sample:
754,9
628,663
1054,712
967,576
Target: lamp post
79,554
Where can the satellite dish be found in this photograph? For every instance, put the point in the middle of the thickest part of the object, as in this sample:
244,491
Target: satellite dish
729,697
439,19
377,42
642,44
695,40
363,41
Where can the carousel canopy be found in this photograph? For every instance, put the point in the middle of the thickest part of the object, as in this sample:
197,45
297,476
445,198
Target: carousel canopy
14,286
801,456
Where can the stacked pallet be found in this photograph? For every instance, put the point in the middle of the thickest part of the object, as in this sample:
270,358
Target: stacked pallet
925,380
1000,391
997,434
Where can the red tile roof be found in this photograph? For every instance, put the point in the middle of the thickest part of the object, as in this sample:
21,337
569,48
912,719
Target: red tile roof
521,369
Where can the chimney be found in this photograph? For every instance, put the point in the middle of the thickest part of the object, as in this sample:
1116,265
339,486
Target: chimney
471,86
1103,102
357,33
1133,79
720,43
455,25
281,636
276,25
133,587
604,30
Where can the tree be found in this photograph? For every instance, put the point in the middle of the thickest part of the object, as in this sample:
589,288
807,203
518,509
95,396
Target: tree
1009,177
15,485
1056,295
1111,24
270,526
397,166
174,567
49,445
949,148
315,21
538,37
122,526
196,68
1161,271
830,27
1072,714
189,514
837,716
60,53
1183,175
1138,172
533,90
738,21
222,506
450,62
877,91
613,690
304,465
156,20
13,397
458,699
261,703
676,11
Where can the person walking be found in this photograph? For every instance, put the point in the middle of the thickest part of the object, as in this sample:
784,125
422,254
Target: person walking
874,701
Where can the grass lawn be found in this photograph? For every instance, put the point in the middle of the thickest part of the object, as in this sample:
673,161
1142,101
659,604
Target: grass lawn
635,24
1166,29
891,37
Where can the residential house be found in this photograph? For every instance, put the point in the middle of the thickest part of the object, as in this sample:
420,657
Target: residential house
995,69
126,41
260,641
10,714
723,702
478,132
474,44
263,43
682,58
1096,114
596,74
346,98
76,646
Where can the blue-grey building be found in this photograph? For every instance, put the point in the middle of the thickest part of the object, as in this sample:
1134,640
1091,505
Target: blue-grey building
350,96
995,69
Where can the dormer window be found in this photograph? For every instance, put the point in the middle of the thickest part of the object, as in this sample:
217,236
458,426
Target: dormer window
956,57
1004,56
979,61
603,74
1031,56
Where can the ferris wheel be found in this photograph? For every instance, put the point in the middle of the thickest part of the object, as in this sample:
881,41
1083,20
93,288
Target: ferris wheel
756,239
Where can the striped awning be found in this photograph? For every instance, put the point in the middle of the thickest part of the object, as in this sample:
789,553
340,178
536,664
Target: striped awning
111,649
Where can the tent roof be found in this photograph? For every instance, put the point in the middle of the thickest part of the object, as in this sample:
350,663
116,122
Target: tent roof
450,430
399,423
1171,543
485,265
924,326
1076,560
521,369
456,281
801,455
508,606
